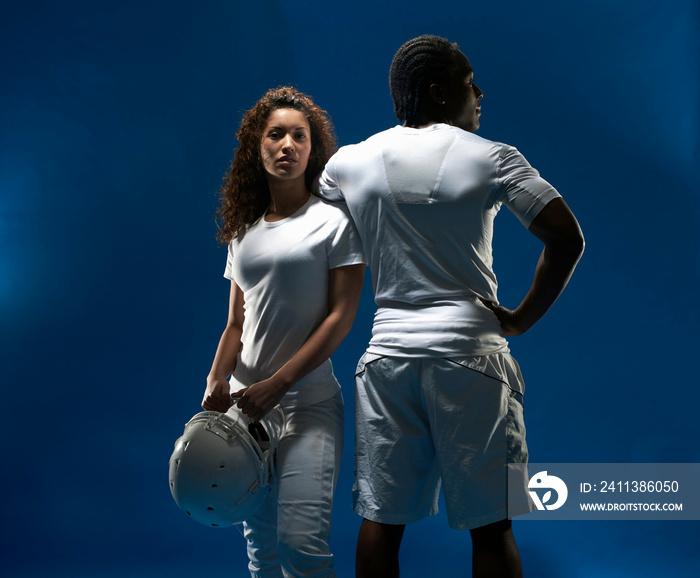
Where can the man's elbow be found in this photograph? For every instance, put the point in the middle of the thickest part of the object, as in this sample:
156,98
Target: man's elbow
567,249
571,248
578,244
570,239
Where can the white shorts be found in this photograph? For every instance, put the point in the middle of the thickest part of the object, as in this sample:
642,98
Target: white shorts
423,420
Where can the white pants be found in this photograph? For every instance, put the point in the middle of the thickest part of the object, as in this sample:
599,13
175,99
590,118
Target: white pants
289,534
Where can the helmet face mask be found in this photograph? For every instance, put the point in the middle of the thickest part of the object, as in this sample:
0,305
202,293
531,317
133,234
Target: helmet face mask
222,466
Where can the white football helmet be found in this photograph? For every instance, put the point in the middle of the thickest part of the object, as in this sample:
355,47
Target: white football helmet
223,465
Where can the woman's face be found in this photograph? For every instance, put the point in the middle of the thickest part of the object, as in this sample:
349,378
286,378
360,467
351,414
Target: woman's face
286,144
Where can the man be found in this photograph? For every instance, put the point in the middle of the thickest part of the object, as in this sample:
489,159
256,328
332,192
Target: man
438,396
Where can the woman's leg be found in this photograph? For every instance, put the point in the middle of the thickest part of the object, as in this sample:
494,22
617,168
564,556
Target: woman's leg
308,464
260,532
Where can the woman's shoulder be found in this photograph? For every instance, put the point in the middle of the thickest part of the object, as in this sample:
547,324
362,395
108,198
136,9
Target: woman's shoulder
329,210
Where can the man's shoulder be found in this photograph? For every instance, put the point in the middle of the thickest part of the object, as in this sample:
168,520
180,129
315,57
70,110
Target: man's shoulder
479,140
372,147
360,152
370,142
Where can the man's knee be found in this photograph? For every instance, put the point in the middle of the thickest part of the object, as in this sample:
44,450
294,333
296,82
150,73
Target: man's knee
492,533
495,553
378,550
385,534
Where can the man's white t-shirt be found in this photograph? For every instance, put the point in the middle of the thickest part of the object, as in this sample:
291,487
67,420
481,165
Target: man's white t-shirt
424,202
282,268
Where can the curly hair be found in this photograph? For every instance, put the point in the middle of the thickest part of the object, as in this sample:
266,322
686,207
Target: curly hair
419,63
245,195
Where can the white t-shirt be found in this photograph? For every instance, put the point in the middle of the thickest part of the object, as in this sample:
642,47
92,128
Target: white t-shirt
282,268
424,202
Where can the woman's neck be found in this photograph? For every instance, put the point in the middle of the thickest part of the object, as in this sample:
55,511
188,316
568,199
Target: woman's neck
286,198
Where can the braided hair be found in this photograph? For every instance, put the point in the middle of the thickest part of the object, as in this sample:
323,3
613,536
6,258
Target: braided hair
418,64
245,194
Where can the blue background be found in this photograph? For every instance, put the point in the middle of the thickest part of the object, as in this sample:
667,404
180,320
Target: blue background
118,123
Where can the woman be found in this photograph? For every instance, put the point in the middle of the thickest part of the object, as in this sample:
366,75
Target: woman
296,268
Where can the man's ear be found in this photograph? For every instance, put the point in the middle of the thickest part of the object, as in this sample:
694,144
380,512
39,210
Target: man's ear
437,93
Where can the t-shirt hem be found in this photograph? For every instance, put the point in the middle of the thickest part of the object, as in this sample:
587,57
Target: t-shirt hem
436,352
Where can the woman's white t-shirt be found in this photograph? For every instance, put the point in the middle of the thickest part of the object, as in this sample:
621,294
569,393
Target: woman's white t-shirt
282,268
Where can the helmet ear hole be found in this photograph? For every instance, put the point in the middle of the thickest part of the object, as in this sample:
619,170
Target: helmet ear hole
222,469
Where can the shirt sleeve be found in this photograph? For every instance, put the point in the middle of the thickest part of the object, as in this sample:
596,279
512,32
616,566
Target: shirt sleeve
327,187
520,186
228,272
343,246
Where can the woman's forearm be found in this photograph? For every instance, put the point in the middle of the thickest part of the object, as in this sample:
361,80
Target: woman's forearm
226,353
